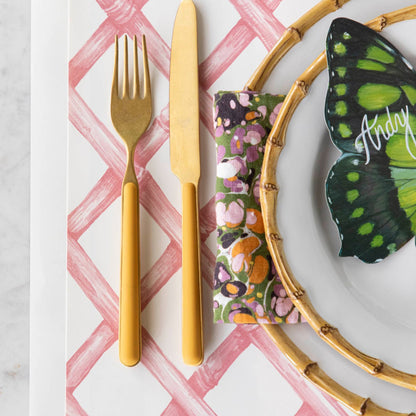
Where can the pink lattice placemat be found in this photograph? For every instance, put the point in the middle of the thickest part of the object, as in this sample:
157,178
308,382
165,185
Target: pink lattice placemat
237,358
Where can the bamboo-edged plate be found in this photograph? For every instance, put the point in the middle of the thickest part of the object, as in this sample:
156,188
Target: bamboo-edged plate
371,305
301,361
331,361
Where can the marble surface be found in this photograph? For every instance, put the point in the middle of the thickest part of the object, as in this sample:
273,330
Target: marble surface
14,206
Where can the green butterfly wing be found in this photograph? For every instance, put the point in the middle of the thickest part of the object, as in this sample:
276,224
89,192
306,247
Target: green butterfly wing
370,114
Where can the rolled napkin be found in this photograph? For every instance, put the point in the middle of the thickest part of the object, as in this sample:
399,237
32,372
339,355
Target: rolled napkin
247,288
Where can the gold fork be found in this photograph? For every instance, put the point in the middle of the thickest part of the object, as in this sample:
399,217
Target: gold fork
131,115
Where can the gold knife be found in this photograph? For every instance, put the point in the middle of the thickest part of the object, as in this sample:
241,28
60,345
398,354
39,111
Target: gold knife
184,160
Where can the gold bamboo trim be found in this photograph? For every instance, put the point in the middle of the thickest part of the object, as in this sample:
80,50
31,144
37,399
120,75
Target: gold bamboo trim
268,196
290,38
311,370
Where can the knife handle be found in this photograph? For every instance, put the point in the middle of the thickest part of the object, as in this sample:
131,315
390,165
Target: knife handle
130,348
192,339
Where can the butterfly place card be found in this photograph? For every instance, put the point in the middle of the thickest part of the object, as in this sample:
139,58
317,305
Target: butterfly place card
370,113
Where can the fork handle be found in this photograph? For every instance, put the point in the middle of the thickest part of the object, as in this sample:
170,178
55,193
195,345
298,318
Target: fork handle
192,339
130,308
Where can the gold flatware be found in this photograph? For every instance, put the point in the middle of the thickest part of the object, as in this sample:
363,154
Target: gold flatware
184,159
131,115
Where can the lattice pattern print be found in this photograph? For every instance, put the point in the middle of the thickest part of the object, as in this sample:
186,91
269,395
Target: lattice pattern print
97,384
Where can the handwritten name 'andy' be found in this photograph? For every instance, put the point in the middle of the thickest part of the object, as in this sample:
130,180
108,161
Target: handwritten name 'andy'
373,135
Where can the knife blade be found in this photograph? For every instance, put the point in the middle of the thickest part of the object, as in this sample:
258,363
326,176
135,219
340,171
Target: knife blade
185,164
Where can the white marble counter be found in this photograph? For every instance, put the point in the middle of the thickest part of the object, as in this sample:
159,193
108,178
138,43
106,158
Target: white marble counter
14,206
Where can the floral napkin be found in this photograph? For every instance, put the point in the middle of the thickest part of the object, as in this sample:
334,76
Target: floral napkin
247,288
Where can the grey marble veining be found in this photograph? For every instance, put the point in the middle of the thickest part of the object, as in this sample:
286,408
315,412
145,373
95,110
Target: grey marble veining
14,206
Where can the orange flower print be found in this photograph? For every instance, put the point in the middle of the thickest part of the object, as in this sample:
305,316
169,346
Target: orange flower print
259,271
254,221
242,259
242,252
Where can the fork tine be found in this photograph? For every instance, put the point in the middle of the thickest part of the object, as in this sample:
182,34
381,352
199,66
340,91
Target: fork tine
145,68
136,82
126,69
114,88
